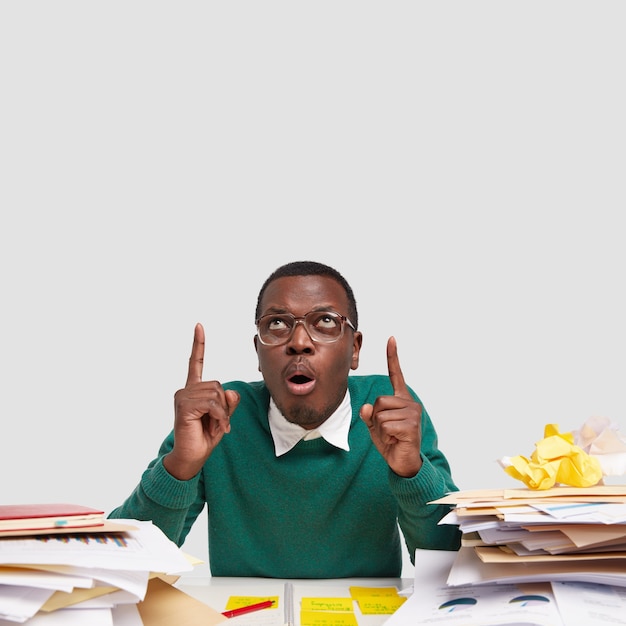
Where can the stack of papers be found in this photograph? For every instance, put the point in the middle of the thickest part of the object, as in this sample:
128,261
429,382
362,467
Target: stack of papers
95,575
23,518
524,535
500,604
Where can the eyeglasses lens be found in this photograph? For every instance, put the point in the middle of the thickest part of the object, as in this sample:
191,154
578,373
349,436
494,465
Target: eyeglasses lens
322,326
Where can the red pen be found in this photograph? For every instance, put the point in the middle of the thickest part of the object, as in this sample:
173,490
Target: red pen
248,609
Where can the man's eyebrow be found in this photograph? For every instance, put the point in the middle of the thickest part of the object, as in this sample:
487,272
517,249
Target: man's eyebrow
274,309
320,308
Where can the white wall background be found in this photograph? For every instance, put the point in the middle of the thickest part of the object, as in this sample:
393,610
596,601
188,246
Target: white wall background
461,163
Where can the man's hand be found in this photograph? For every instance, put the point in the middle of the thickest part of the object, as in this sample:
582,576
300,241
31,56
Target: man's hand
202,416
395,422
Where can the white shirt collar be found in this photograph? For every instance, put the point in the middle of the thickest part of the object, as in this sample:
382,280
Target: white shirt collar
335,429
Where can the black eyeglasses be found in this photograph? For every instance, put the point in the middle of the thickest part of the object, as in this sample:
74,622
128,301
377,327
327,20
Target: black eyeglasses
275,329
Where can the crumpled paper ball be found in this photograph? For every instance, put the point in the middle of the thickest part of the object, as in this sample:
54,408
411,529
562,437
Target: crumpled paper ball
556,460
600,438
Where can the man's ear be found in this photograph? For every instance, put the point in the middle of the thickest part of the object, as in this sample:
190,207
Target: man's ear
357,342
256,349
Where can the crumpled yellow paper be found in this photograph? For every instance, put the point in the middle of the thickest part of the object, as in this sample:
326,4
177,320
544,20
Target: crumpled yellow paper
556,459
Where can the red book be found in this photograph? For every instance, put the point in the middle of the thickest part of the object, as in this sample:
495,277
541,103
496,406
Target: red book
48,516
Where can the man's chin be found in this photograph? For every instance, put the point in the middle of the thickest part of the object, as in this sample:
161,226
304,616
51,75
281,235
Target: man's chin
304,416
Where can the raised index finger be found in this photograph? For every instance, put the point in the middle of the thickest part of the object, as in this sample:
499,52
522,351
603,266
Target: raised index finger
395,371
196,360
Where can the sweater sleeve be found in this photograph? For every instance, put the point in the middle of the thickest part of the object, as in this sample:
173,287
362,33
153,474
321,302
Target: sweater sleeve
418,520
171,504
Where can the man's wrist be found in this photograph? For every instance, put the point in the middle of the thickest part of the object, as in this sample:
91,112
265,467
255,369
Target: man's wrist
181,470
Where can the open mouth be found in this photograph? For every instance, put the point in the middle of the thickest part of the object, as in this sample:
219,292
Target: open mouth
300,379
300,383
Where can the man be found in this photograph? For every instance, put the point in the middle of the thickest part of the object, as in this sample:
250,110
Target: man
307,473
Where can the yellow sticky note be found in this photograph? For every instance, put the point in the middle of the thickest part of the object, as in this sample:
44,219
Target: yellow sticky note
327,604
236,602
373,592
384,605
327,618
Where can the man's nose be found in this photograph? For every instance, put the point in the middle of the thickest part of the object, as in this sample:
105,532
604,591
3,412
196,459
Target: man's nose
300,338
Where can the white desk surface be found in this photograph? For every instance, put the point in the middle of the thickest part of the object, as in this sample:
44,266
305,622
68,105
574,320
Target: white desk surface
215,592
431,572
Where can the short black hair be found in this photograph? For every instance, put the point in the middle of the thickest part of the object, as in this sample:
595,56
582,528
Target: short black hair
311,268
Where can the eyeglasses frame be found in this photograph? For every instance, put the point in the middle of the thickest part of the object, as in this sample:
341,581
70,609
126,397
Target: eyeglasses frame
300,320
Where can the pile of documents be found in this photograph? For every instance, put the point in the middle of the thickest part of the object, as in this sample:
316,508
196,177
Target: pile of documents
525,535
96,575
25,518
566,603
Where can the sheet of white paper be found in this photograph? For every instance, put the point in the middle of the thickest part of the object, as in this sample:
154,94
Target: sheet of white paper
63,617
485,605
479,524
468,569
135,582
20,603
434,602
126,615
107,601
146,548
44,580
590,604
586,512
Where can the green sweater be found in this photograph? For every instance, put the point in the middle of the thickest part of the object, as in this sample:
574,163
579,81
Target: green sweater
315,512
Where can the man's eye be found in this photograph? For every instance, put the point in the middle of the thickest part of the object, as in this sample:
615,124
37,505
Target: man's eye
278,324
326,321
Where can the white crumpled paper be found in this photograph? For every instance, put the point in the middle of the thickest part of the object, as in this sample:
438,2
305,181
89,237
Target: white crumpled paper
600,438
